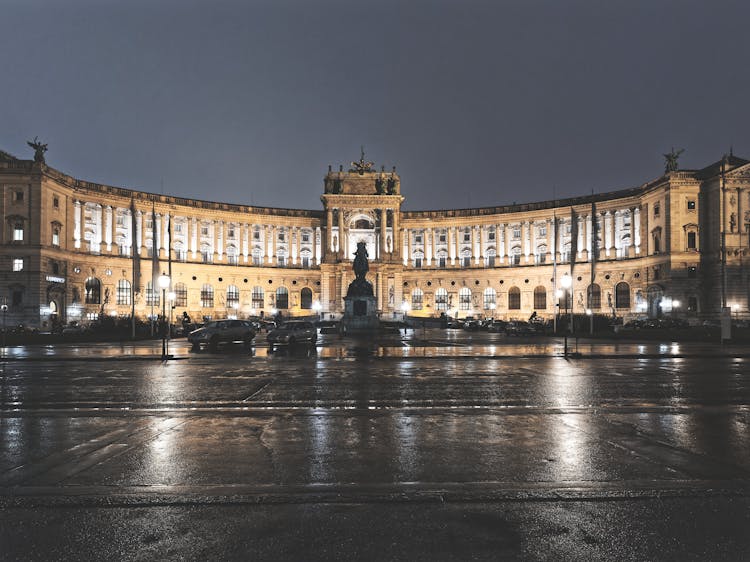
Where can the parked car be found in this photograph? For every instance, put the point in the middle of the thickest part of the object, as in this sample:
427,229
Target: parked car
497,326
519,328
222,331
471,324
291,333
328,327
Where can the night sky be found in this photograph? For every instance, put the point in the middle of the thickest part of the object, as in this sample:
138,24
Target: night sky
477,103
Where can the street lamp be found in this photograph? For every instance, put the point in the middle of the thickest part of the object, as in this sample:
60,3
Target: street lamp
163,282
566,283
317,307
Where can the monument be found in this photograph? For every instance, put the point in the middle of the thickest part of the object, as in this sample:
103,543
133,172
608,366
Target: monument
360,304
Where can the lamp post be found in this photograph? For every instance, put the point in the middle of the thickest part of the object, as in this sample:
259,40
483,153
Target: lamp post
4,308
164,281
566,283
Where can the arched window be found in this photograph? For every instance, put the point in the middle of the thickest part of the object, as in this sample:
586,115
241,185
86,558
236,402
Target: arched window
416,299
594,297
207,296
489,300
540,298
282,298
622,295
464,299
180,294
123,292
305,298
441,299
93,291
257,297
514,298
233,297
541,253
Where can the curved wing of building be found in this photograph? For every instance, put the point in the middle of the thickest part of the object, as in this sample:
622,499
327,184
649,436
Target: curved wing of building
77,250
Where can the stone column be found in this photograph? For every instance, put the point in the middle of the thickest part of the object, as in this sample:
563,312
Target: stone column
607,233
525,240
480,245
108,227
451,234
77,224
405,249
156,233
428,246
294,243
636,221
316,245
274,239
329,232
579,242
383,249
167,235
501,235
138,233
194,236
245,241
409,246
97,228
341,234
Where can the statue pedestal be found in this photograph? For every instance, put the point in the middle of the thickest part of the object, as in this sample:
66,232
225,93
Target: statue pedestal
360,315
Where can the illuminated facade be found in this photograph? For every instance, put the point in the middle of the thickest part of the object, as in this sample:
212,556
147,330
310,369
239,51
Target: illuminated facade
73,249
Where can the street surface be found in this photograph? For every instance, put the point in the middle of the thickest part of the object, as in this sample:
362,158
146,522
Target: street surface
434,445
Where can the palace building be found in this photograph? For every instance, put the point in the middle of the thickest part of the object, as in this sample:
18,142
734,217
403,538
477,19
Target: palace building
77,250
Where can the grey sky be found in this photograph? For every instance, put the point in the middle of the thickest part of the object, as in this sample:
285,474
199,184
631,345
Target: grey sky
476,102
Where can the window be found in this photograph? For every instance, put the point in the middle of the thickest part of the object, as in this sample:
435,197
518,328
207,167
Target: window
17,264
657,209
18,196
152,297
305,237
464,299
232,257
305,298
418,237
204,230
207,296
442,237
691,204
515,255
282,235
541,254
416,299
489,258
93,291
178,227
231,231
441,261
692,304
305,256
514,298
16,298
540,298
466,261
489,300
516,232
441,299
180,294
691,241
257,297
257,256
55,235
281,260
233,297
491,235
542,231
207,255
56,202
18,232
594,297
467,235
622,295
256,234
180,254
123,292
282,298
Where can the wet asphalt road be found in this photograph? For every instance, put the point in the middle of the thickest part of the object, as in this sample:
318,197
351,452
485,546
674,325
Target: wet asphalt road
436,446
